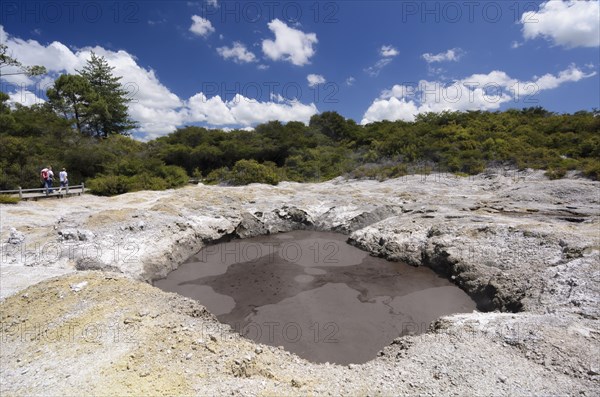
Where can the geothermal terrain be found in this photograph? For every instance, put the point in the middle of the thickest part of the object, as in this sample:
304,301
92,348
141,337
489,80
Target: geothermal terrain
79,314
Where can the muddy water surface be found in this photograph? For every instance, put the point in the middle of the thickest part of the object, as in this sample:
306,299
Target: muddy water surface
315,295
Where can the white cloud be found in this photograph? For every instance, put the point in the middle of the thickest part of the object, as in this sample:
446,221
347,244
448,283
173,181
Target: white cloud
549,81
350,81
25,98
290,44
248,112
475,92
315,79
388,51
566,23
276,97
376,69
201,26
453,54
213,3
213,111
239,53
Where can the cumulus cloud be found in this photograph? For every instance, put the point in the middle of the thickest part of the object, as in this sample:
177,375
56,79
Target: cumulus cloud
453,54
476,92
158,110
388,51
245,111
201,26
239,53
290,44
565,23
350,81
315,79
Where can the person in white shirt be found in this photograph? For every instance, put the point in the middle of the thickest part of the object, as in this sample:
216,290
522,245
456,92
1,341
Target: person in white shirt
64,179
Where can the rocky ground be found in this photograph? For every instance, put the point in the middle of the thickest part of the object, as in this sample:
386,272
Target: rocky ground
78,315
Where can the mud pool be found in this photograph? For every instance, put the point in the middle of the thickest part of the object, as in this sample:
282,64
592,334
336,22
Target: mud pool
314,294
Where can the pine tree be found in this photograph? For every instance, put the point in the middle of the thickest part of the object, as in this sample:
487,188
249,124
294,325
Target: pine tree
109,110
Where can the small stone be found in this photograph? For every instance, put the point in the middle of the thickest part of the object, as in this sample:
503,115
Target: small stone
79,286
213,338
502,379
188,356
24,371
145,373
15,236
258,350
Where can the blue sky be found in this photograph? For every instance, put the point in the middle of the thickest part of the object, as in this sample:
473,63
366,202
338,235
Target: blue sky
230,64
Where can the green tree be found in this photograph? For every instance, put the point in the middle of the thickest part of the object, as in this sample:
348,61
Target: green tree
109,109
72,97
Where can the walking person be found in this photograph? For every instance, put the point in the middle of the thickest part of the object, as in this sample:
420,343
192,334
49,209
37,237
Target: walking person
47,178
64,180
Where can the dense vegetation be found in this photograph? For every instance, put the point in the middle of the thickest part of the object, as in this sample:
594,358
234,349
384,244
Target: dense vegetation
84,128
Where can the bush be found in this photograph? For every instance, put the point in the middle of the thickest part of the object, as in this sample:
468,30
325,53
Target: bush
173,175
217,176
556,173
5,199
379,171
146,182
251,171
592,170
109,185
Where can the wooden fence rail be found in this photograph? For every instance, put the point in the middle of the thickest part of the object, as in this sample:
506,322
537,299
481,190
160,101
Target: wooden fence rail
25,194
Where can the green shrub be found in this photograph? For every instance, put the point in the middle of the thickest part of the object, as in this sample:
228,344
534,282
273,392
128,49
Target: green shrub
379,171
556,173
217,176
109,185
251,171
146,182
592,169
173,175
5,199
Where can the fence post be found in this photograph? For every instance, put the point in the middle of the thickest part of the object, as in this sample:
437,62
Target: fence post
20,193
82,187
67,193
